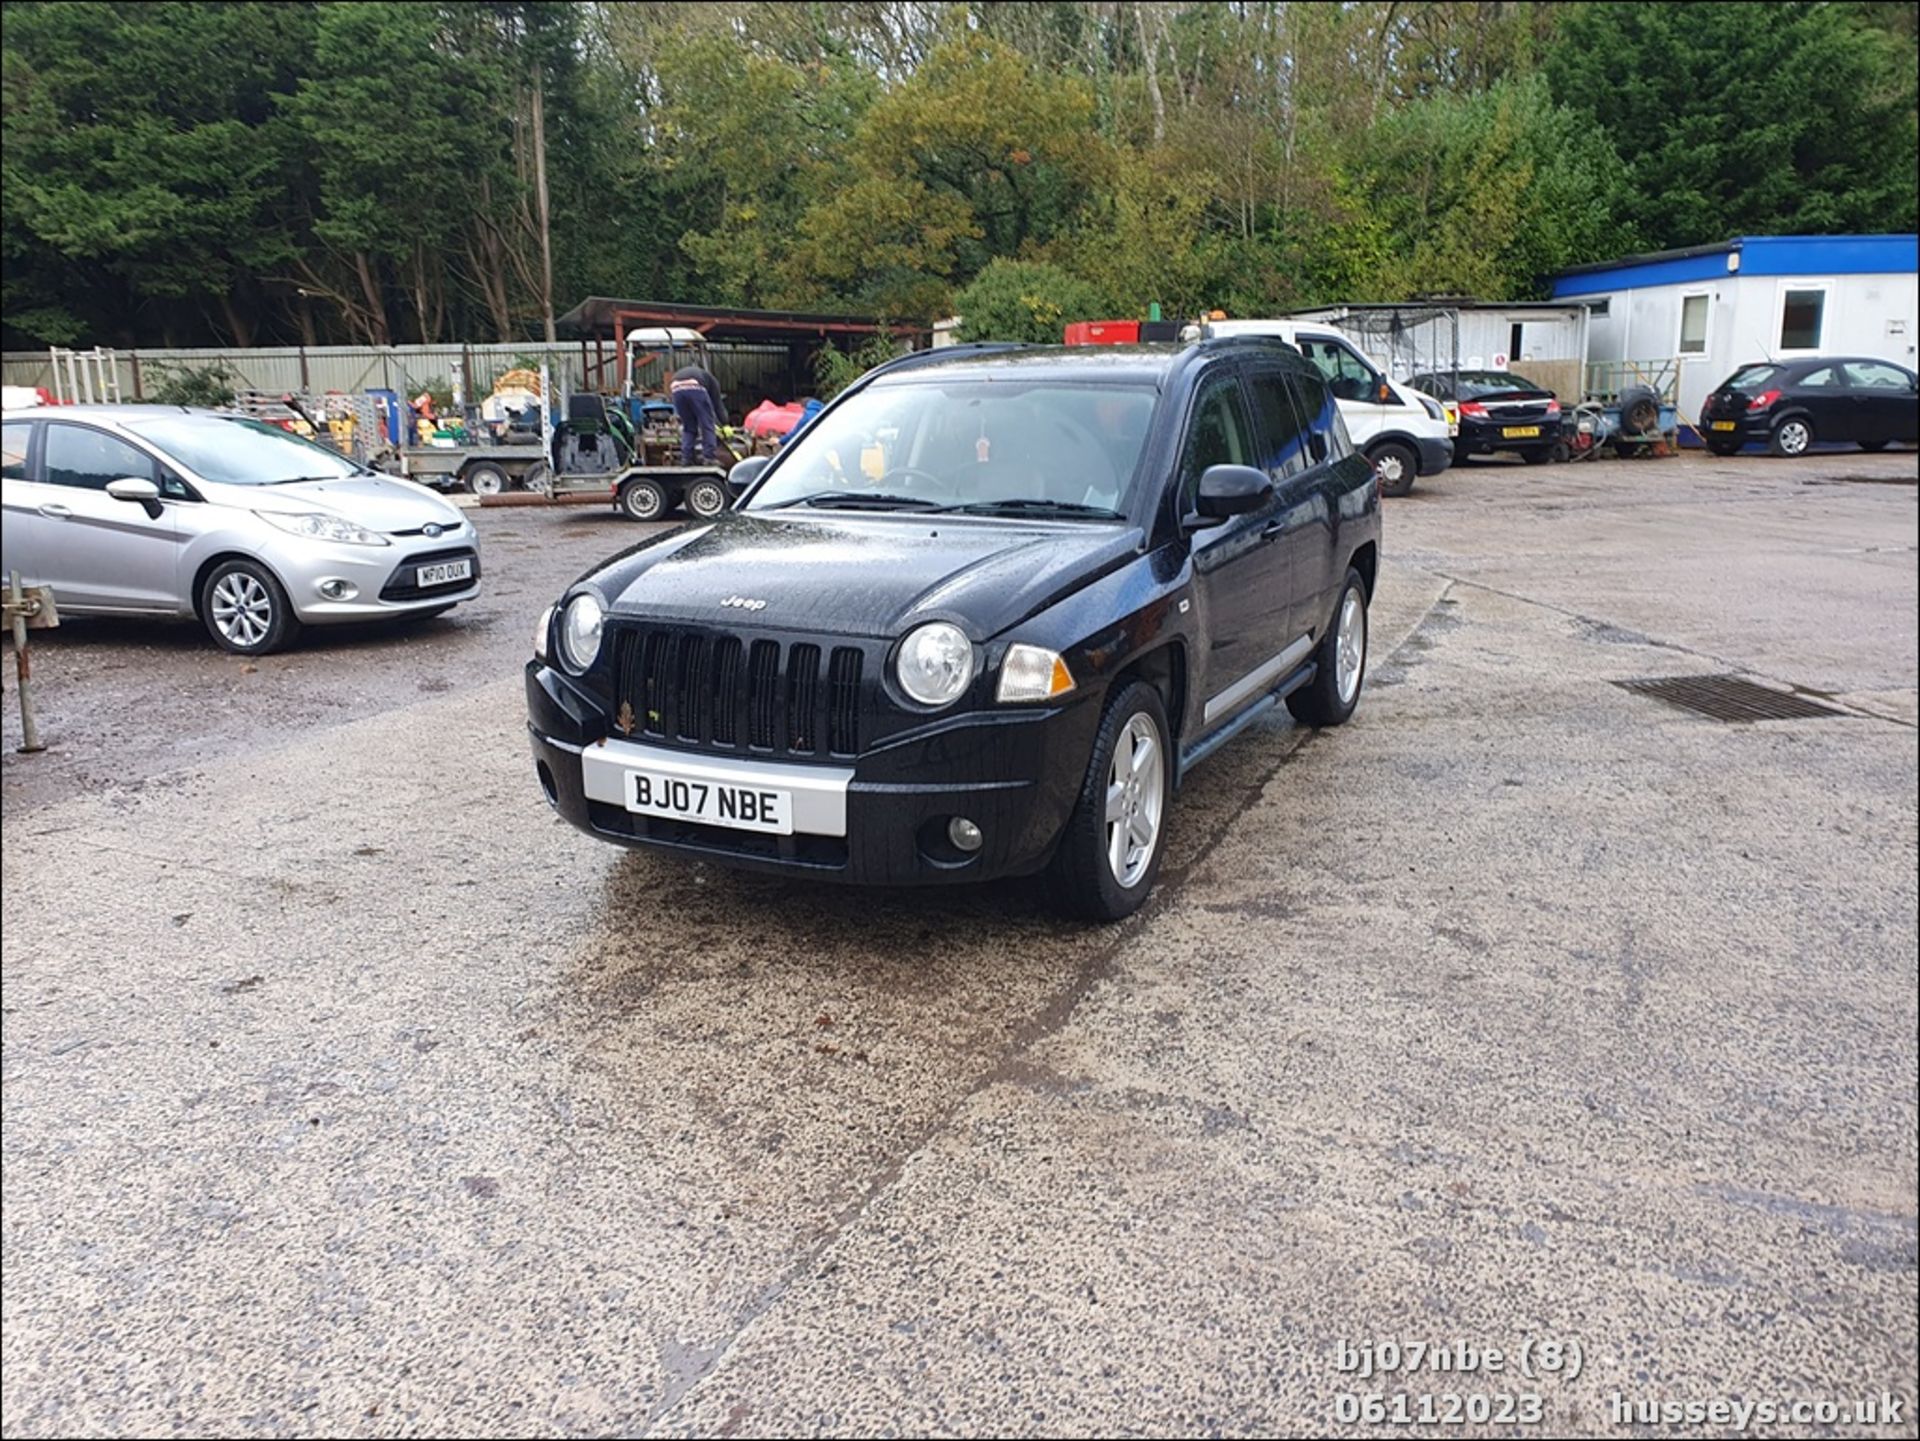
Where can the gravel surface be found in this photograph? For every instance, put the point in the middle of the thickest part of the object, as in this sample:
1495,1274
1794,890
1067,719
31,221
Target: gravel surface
346,1090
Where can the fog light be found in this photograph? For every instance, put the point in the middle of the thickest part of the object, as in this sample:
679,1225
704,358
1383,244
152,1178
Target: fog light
333,588
964,834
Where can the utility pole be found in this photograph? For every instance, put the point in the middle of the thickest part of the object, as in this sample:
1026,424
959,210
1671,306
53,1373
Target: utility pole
540,186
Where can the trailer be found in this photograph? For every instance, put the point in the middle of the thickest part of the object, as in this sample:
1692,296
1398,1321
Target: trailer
482,469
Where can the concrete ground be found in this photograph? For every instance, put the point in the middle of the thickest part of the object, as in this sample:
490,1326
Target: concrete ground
346,1090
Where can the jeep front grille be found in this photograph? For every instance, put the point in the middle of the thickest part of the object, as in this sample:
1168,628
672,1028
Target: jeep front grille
709,690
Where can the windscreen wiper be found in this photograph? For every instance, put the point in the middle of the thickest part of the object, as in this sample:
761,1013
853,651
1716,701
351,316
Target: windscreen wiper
1035,507
857,500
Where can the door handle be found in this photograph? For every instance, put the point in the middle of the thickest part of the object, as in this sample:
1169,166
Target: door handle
55,512
1272,529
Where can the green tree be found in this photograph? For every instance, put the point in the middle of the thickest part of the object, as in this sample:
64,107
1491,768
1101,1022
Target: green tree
143,160
1026,300
1744,119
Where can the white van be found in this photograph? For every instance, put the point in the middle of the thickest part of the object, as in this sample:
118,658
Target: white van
1404,432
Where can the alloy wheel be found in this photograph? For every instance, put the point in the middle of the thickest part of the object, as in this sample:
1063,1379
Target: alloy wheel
1350,646
1135,798
242,609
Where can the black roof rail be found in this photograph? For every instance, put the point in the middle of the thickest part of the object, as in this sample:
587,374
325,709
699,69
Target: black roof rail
946,352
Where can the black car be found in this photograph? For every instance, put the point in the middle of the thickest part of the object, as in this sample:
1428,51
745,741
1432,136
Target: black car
978,618
1498,411
1792,404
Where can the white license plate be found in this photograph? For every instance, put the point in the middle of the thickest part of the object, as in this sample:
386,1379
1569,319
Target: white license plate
441,574
711,803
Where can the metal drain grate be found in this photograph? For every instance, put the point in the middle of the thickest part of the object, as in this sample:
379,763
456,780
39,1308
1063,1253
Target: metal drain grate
1728,698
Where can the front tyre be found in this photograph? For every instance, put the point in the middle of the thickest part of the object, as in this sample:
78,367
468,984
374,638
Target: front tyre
1110,850
1396,466
1339,664
245,609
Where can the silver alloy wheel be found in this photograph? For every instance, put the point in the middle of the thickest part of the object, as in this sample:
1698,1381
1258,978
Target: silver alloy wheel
1135,797
706,499
1350,646
1795,437
242,609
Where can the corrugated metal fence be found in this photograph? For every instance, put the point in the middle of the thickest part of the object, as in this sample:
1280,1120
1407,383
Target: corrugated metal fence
748,373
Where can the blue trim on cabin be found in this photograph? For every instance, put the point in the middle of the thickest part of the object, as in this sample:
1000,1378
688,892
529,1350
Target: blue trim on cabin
1809,255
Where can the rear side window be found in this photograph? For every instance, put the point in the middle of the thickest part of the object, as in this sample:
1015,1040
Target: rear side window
1218,434
1282,435
14,436
1867,374
88,459
1827,377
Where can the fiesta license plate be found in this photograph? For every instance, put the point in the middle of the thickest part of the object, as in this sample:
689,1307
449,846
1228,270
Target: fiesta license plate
1521,432
445,572
1723,425
711,803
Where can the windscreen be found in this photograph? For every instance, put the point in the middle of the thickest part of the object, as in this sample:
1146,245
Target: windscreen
1006,446
238,450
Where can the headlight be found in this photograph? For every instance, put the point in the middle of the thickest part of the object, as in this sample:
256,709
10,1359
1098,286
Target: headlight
935,663
317,525
1031,672
1432,408
580,632
542,628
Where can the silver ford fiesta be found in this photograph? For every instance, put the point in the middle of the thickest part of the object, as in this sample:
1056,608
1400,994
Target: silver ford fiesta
166,511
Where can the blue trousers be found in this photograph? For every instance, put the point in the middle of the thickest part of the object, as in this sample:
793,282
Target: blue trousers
697,434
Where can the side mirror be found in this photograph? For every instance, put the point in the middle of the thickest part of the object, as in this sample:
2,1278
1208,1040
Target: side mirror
1230,490
1317,445
745,473
143,493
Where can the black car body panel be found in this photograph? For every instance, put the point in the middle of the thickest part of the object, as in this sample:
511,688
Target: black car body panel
1845,398
769,637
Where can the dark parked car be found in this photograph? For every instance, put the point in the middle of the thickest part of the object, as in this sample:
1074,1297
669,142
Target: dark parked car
1792,404
980,617
1498,411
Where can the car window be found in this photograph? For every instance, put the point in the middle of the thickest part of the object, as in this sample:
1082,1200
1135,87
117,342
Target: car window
1877,375
87,459
1282,434
14,436
1827,377
1751,377
1349,375
1316,400
1218,434
1483,384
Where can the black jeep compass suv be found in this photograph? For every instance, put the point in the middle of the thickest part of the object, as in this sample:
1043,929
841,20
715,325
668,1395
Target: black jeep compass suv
977,619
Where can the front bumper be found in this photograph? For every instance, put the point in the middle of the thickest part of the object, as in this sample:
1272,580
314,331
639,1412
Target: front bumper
1436,453
381,577
1015,773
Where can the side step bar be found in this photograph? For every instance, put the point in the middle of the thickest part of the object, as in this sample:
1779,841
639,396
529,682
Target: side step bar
1192,755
